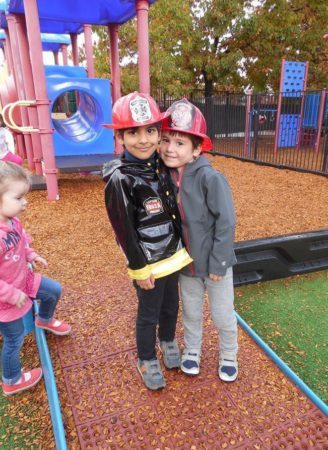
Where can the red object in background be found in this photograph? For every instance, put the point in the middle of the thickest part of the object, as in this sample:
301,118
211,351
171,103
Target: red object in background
11,157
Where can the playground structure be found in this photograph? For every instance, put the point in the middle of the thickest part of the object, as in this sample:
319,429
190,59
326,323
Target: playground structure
78,132
284,129
31,93
65,85
245,126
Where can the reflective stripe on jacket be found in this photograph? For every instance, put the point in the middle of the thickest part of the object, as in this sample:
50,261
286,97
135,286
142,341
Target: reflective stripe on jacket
141,206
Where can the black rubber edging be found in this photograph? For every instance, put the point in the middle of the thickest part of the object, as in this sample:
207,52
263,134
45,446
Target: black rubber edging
280,257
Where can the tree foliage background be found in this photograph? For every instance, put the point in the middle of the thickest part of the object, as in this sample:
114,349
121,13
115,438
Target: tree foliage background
223,45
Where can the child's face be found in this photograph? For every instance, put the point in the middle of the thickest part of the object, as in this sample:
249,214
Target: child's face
13,201
176,151
141,142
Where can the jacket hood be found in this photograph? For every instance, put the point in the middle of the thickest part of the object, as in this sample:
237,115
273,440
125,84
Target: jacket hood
4,227
200,162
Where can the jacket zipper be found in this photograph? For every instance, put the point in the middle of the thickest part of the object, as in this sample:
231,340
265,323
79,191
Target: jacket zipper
183,217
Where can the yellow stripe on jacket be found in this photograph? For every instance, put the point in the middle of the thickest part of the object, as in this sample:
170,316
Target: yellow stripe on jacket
162,268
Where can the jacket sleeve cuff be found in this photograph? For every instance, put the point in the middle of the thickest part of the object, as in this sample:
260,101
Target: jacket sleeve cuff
218,268
220,273
11,296
31,255
140,274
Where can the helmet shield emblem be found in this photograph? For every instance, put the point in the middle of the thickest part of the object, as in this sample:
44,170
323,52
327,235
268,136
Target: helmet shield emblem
140,109
182,116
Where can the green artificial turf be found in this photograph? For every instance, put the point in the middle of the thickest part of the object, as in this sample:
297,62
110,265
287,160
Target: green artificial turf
291,316
19,415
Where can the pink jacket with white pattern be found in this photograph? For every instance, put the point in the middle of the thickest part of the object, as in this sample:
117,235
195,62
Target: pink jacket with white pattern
15,274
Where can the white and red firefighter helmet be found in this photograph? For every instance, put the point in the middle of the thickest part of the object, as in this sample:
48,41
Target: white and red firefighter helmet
135,110
184,117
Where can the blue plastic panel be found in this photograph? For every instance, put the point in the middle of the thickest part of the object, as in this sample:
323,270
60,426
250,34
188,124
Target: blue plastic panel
52,42
288,130
83,133
66,71
311,110
56,16
293,78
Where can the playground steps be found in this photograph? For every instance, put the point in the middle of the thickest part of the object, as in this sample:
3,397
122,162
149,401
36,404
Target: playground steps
82,163
73,164
112,408
38,183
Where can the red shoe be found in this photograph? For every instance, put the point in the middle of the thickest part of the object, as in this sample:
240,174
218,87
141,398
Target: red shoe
29,379
55,326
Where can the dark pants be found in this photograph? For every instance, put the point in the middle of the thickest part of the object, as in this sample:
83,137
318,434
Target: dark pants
158,306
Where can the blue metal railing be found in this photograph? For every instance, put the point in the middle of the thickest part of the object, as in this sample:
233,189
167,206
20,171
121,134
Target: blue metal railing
284,367
51,387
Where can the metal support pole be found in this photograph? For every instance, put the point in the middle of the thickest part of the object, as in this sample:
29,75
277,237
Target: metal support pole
299,128
63,48
29,89
9,59
35,45
18,76
56,59
5,55
9,55
320,119
115,71
276,137
88,50
75,49
247,120
142,7
114,61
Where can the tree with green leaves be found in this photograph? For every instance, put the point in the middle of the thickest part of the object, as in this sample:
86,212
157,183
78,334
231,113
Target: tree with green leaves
277,29
220,45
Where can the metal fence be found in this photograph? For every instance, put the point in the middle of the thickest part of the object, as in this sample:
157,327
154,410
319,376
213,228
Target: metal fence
284,130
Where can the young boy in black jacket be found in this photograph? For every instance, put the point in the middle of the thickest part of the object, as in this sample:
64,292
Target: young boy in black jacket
142,209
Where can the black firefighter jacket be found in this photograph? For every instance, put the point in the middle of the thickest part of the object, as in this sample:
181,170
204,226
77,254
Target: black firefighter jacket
141,206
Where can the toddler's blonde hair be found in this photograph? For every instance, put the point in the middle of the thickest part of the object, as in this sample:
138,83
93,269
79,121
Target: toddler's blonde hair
11,172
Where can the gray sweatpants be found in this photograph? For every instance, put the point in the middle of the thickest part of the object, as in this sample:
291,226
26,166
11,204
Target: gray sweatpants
221,300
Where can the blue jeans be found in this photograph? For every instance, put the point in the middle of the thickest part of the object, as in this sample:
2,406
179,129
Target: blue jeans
13,332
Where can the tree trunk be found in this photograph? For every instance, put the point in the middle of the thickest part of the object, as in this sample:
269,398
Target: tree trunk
208,89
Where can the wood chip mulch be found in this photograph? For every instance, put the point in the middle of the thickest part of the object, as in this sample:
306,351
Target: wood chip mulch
75,237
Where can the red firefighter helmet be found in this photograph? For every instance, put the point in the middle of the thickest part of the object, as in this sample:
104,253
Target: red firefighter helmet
135,110
184,117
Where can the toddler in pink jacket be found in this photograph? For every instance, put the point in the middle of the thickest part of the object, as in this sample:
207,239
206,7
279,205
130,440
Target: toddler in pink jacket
19,283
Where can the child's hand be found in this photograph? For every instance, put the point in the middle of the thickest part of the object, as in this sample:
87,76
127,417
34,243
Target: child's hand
147,284
213,277
41,261
21,300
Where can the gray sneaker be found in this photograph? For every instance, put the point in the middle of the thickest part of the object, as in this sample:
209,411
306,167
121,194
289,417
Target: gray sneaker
171,354
151,374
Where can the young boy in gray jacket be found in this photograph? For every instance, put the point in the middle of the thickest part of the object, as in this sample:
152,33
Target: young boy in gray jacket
208,221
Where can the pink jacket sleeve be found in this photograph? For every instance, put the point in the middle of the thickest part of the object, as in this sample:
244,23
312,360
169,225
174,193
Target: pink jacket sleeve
8,293
30,253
